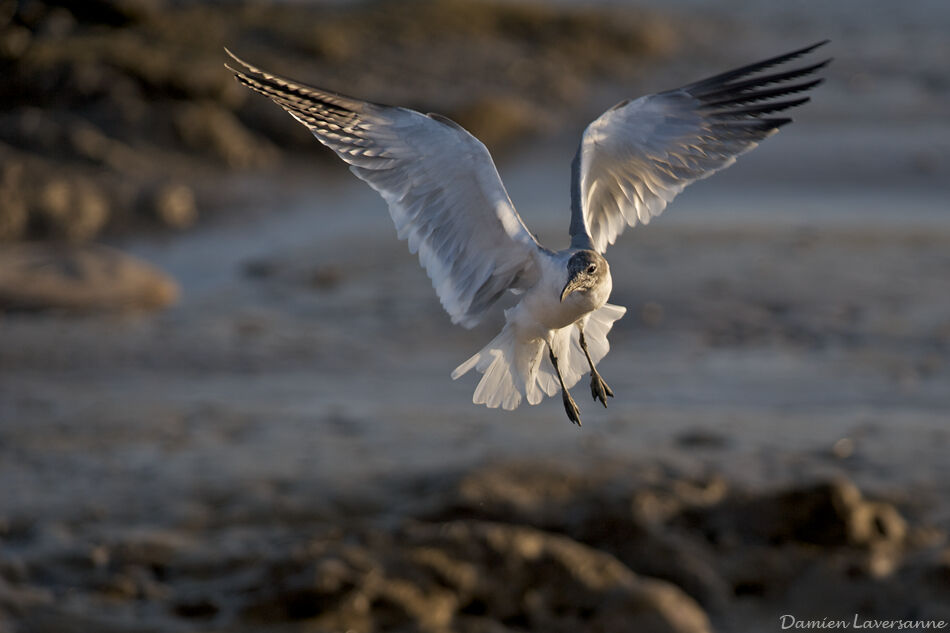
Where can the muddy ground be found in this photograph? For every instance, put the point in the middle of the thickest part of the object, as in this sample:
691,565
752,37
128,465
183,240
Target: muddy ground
283,448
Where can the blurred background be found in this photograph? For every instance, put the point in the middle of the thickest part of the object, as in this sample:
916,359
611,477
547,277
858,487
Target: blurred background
225,401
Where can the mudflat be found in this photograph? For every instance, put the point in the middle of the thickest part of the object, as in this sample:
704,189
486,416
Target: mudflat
284,449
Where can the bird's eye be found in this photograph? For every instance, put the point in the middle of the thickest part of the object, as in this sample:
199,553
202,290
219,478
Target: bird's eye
592,269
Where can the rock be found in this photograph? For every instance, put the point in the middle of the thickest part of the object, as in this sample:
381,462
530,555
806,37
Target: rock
13,210
832,514
38,276
209,128
617,517
553,583
90,143
537,494
468,575
152,548
37,199
74,210
201,607
174,205
471,576
656,551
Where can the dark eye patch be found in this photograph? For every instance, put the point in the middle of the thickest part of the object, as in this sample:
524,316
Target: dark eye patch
592,268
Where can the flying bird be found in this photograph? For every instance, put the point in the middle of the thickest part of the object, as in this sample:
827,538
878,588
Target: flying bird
446,198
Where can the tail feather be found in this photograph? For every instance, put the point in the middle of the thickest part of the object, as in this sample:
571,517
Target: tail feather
513,369
506,364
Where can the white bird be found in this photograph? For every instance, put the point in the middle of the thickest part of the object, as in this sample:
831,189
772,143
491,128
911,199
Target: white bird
447,199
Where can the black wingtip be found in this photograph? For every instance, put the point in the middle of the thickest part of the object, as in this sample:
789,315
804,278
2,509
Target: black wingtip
724,79
228,52
759,109
240,67
808,49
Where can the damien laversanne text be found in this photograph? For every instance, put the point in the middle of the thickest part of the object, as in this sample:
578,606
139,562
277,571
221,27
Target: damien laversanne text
861,623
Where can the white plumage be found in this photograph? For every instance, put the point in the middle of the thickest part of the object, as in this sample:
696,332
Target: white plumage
447,200
512,366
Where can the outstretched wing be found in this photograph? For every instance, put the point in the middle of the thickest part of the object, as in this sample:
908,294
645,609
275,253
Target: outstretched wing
443,191
640,154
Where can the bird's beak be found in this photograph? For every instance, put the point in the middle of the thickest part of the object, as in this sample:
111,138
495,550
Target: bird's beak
571,285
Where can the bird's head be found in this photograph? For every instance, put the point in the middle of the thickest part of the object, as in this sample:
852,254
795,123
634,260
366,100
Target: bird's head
585,270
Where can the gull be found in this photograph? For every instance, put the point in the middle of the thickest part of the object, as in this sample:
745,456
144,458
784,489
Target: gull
446,198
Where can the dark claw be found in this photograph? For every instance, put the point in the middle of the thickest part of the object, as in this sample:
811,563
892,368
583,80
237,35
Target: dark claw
573,413
599,389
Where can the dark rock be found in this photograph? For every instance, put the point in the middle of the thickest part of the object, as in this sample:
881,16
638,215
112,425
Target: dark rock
471,575
656,551
38,199
13,210
614,516
557,584
197,608
830,514
939,572
744,555
37,276
74,210
91,143
213,130
537,494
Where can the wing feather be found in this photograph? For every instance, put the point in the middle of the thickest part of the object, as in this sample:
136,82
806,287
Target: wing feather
639,155
443,191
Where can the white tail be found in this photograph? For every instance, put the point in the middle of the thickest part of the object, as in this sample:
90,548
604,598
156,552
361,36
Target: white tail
515,369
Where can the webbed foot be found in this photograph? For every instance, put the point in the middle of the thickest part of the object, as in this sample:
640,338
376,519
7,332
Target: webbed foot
573,413
599,389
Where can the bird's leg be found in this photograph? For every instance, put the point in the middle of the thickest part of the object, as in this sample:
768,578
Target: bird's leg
573,413
598,388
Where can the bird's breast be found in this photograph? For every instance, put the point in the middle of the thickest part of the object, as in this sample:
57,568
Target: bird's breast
542,303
